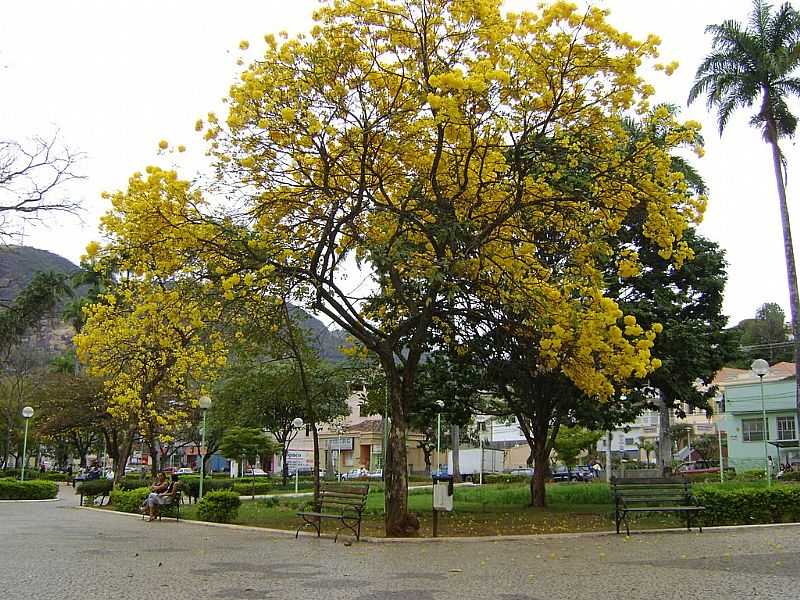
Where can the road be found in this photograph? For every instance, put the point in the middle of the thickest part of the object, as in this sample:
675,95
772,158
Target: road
57,551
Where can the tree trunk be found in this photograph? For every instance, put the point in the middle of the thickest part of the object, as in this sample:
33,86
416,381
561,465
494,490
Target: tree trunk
398,521
315,437
664,437
455,442
285,468
541,471
791,271
153,452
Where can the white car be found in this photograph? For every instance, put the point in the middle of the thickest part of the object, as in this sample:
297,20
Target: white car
255,473
355,474
185,471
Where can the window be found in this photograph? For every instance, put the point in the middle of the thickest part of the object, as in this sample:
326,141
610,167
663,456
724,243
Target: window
786,430
752,430
629,441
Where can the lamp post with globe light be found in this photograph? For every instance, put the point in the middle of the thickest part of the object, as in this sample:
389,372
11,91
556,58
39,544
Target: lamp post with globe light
297,423
27,412
761,367
440,405
204,403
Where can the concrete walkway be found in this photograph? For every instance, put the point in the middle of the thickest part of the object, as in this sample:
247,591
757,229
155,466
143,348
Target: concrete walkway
56,551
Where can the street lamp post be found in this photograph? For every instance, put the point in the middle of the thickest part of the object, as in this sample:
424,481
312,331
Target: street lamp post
440,404
205,403
297,423
27,412
761,367
338,469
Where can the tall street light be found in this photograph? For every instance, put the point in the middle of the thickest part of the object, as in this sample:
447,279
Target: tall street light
27,412
440,404
297,423
204,403
761,367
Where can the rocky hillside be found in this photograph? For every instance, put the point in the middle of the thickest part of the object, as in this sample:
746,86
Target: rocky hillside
18,264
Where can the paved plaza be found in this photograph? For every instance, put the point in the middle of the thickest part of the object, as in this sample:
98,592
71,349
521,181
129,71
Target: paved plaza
55,551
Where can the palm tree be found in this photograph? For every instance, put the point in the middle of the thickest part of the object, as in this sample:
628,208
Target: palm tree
648,446
757,63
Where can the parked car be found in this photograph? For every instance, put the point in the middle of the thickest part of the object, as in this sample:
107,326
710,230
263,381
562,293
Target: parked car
698,466
133,469
355,474
184,471
377,474
574,474
521,472
255,473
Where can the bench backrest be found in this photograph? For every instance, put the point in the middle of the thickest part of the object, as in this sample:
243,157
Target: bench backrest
343,497
651,492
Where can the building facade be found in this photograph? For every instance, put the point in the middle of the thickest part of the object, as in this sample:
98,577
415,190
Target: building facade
746,428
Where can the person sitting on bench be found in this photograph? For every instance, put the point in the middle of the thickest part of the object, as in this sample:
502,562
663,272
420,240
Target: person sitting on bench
160,494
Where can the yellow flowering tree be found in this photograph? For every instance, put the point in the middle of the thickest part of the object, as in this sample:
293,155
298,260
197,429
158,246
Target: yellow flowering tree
446,154
150,345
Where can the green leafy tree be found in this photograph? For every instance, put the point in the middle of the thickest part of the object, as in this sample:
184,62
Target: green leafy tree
246,443
693,344
571,441
756,64
707,446
765,336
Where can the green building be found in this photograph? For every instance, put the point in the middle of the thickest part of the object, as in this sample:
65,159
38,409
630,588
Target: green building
744,424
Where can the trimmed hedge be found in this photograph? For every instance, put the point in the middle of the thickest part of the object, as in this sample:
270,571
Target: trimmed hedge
129,501
791,476
35,474
11,489
94,487
746,506
190,486
134,484
219,507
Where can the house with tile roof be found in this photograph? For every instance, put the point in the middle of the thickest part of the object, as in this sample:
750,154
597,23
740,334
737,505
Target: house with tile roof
751,437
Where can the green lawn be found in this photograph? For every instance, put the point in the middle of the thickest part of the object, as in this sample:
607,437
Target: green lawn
488,510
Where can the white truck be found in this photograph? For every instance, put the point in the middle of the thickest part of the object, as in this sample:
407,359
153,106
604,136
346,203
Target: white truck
469,462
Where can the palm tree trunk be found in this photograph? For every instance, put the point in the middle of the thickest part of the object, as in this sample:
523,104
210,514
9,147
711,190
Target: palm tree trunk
791,270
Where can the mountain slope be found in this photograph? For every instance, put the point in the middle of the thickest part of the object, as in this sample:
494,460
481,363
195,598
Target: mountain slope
18,265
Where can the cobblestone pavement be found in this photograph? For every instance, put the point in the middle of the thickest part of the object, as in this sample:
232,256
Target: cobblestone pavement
55,551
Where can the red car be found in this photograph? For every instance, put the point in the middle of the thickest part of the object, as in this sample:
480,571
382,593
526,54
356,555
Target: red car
699,466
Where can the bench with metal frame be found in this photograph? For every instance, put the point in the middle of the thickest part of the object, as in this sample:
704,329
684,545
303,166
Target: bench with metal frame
343,503
175,502
668,495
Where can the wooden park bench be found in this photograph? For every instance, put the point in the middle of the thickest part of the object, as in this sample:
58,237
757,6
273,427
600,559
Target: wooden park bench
653,495
343,503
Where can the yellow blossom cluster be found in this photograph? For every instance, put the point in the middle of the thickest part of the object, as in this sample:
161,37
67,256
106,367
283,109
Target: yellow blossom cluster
447,149
147,342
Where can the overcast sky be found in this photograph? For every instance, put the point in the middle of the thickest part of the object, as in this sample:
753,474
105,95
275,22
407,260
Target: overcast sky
116,77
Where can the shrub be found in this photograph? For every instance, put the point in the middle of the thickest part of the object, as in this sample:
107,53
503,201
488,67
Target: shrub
219,507
246,489
749,505
11,489
791,476
751,475
94,487
270,502
129,501
133,484
505,478
190,486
